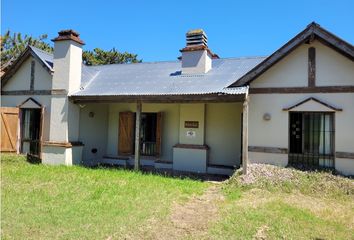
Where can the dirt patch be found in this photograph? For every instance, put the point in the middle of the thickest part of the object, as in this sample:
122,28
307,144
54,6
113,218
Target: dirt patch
261,233
190,219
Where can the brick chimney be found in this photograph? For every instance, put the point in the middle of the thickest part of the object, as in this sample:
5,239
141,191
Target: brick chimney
196,56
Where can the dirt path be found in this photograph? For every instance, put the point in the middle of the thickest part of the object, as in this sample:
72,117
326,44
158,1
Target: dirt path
191,219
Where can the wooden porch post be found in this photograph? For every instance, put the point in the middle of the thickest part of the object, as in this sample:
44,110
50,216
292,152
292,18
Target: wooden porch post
137,136
245,135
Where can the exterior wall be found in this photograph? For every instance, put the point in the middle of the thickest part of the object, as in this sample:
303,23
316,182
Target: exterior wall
192,112
67,65
345,166
276,159
21,79
93,132
194,62
332,69
42,78
223,133
191,160
288,72
275,132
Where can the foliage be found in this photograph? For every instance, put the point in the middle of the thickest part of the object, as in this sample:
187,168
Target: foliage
100,57
13,45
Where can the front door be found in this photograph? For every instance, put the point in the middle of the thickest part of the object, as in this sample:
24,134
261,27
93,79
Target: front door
31,131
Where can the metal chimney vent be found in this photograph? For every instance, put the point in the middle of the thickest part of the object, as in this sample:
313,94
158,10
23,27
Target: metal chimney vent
196,38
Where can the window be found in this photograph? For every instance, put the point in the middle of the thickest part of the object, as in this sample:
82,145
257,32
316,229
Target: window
311,139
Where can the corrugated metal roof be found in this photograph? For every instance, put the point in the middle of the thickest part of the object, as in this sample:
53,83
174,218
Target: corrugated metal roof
44,56
163,78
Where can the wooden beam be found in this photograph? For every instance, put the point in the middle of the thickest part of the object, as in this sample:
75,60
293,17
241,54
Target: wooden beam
349,155
312,67
137,136
326,89
267,149
33,66
35,92
245,136
160,98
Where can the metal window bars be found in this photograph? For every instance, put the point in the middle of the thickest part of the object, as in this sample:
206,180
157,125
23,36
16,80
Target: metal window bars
311,136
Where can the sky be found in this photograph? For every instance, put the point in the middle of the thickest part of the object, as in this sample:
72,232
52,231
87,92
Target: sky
155,30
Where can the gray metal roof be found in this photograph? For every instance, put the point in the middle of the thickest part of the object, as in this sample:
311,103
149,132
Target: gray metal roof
44,56
163,78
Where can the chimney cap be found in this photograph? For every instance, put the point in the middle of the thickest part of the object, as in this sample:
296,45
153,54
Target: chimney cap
69,34
194,32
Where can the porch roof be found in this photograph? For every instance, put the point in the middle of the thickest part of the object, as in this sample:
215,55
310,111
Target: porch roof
163,79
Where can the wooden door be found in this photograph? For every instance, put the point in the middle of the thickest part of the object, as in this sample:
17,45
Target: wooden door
126,133
9,126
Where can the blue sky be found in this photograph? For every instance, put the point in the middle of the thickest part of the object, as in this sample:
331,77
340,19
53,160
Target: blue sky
155,30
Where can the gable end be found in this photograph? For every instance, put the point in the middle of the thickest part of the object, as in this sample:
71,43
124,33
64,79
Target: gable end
311,33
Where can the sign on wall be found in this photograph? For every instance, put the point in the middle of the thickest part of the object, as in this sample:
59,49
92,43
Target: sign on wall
191,134
191,124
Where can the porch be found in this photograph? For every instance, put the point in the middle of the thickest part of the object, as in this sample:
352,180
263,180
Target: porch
201,136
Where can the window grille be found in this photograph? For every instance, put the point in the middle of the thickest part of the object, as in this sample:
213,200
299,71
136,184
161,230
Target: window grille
311,139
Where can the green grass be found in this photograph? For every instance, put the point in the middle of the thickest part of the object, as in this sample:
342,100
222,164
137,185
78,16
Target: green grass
313,205
46,202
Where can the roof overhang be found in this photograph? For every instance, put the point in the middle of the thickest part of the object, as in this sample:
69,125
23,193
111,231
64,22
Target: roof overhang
182,98
312,32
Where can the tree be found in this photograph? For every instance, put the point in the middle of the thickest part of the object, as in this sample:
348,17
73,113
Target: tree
100,57
13,45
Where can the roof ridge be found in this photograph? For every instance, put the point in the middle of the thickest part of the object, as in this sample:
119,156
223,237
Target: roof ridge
48,53
243,57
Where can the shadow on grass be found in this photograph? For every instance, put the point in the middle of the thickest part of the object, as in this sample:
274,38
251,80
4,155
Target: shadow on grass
167,173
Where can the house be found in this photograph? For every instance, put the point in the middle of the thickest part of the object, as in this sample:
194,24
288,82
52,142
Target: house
201,114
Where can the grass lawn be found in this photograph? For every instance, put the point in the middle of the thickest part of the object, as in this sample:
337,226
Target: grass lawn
46,202
290,204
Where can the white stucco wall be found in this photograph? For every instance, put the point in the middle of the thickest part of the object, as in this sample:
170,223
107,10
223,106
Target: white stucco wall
289,72
274,133
192,112
195,62
42,79
67,65
21,80
93,132
332,69
223,133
